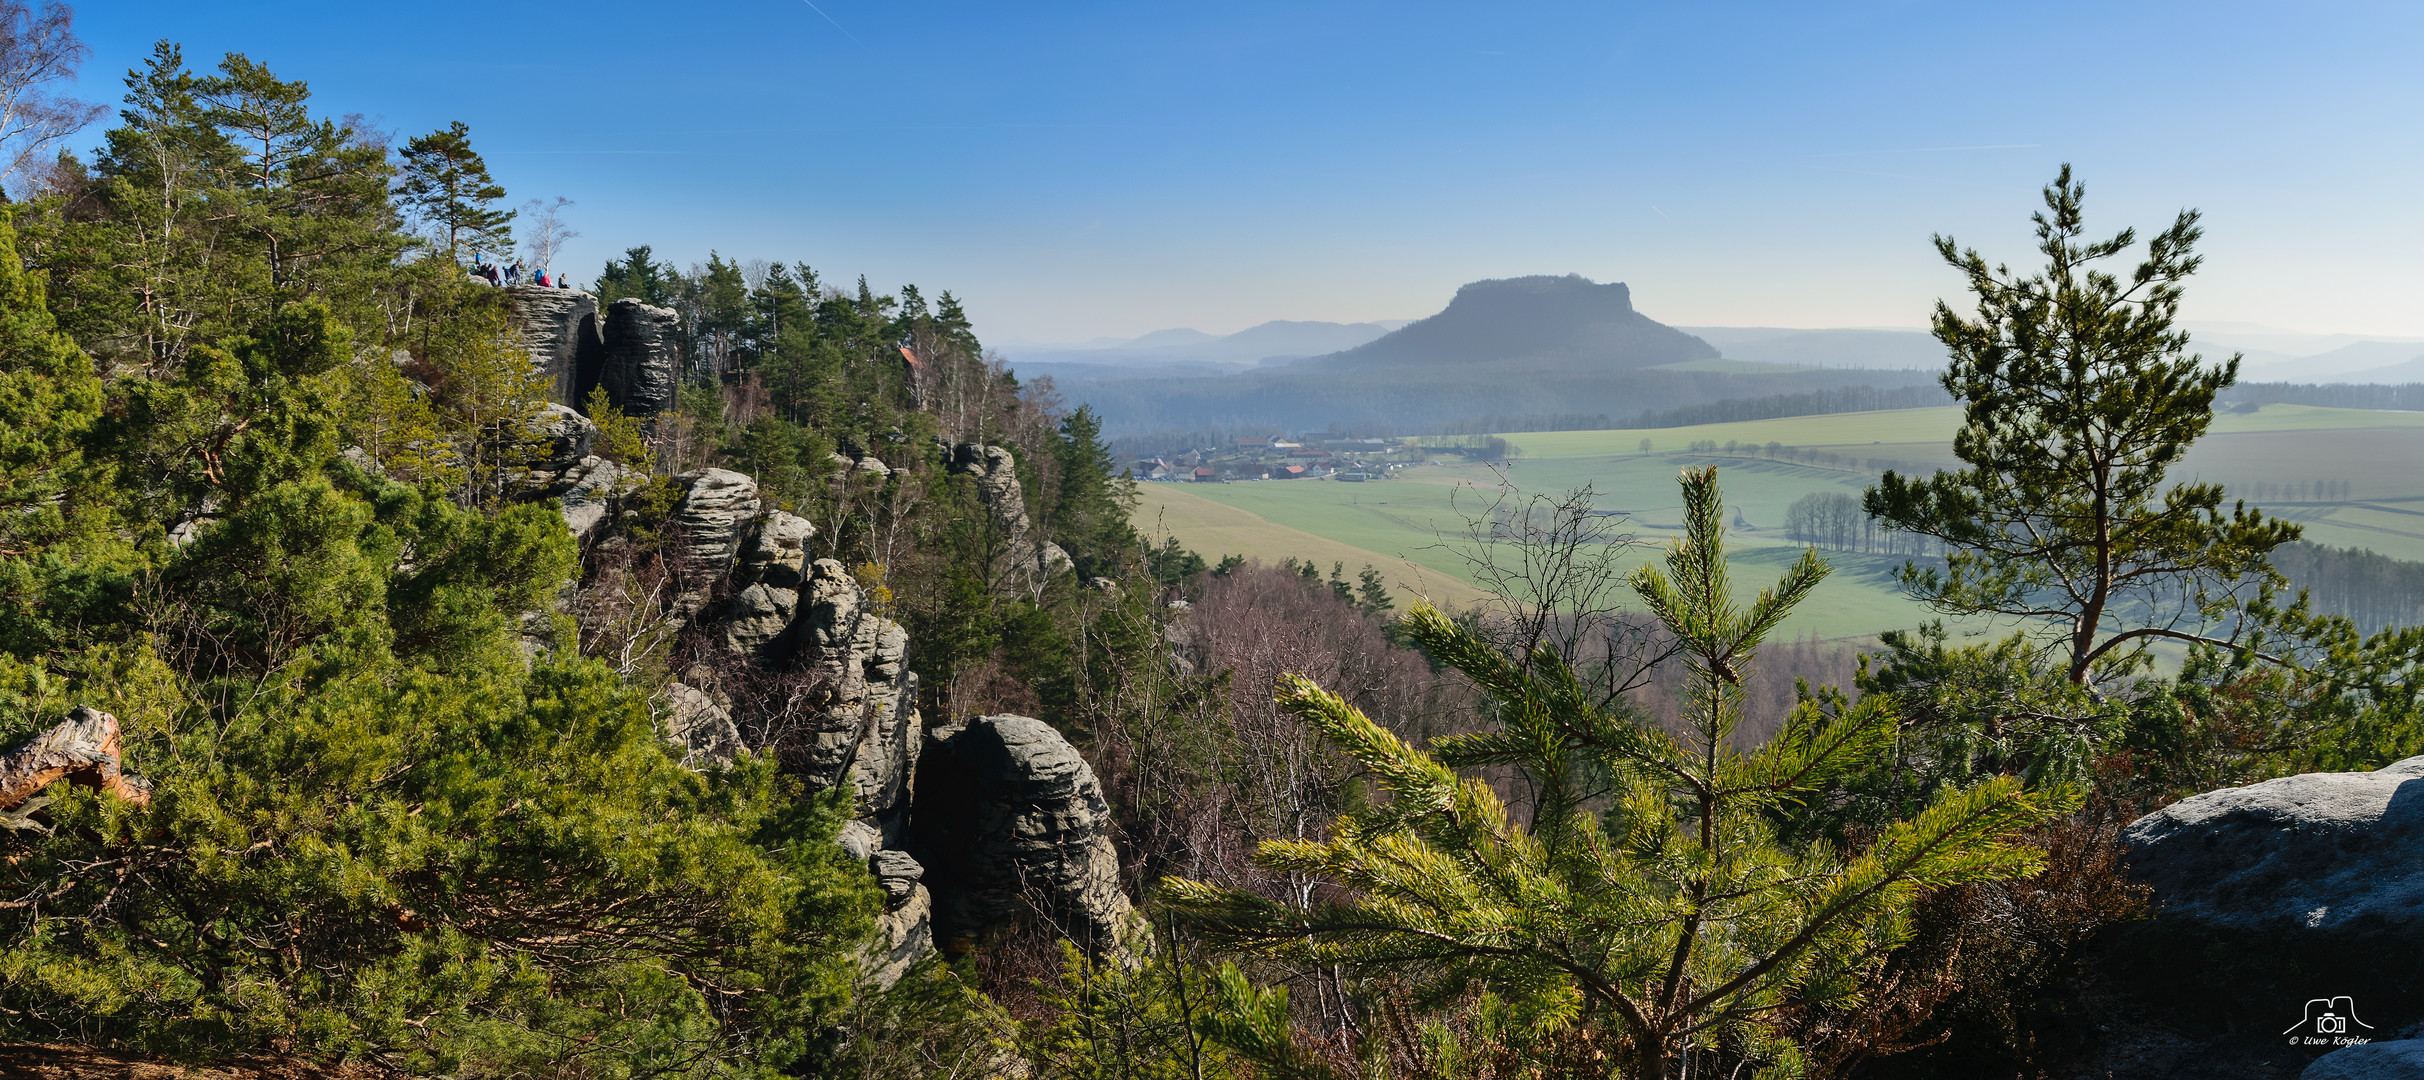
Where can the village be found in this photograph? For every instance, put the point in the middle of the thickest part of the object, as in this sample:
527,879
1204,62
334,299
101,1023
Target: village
1276,457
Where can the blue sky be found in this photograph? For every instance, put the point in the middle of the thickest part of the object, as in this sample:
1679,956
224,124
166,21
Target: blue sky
1082,169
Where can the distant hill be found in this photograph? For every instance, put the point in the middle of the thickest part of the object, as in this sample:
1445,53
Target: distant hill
2363,362
1185,351
1886,349
2411,371
1566,323
1524,350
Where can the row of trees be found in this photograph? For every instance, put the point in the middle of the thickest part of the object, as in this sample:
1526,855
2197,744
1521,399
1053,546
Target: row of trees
2376,591
1835,521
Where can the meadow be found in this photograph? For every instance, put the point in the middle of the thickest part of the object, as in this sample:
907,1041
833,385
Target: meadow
1412,528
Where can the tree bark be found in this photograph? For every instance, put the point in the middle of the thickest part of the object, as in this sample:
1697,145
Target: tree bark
81,749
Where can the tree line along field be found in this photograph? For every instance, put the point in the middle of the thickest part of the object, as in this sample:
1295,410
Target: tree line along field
2349,476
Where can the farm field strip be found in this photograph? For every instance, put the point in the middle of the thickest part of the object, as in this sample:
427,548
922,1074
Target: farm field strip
1397,525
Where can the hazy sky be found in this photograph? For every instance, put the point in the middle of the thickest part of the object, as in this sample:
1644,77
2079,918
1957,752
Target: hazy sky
1081,169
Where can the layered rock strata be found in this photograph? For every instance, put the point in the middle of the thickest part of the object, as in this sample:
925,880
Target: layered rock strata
640,363
1017,826
1021,559
718,507
1021,830
865,729
560,329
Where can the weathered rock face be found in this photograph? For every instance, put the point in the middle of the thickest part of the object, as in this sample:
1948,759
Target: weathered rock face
1019,826
589,490
560,329
2276,893
905,935
777,550
1023,560
2399,1060
2310,856
701,726
713,515
756,618
866,730
569,436
641,361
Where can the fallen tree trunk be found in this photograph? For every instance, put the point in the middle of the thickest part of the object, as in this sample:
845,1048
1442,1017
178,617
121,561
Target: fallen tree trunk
82,749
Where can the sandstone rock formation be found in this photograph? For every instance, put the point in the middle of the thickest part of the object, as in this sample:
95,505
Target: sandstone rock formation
904,936
2276,893
560,328
569,436
1018,827
1021,828
866,730
2302,857
2401,1059
641,361
756,618
589,490
1022,559
717,509
776,552
702,726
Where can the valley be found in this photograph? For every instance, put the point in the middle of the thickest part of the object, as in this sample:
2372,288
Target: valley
1411,527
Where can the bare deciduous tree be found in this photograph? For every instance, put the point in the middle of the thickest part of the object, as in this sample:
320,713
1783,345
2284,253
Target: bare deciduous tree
1553,566
546,233
38,50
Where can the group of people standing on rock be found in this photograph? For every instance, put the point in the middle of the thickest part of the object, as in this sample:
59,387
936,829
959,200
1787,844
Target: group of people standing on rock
512,275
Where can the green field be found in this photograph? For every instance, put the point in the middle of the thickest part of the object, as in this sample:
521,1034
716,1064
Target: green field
1409,527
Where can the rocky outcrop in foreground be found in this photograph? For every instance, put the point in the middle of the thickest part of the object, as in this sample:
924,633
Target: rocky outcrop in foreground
2400,1060
2303,858
1021,829
2290,893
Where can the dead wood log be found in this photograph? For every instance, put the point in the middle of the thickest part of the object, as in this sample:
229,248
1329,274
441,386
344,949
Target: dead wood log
82,749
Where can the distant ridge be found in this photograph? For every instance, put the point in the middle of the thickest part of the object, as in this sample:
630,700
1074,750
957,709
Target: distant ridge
1198,352
1564,323
1854,348
1538,346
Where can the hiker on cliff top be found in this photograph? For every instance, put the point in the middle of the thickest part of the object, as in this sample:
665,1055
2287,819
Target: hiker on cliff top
513,273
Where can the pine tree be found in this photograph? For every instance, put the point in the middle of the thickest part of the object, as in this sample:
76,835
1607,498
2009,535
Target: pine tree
636,277
392,421
1675,931
447,183
2079,396
50,399
1089,513
492,401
